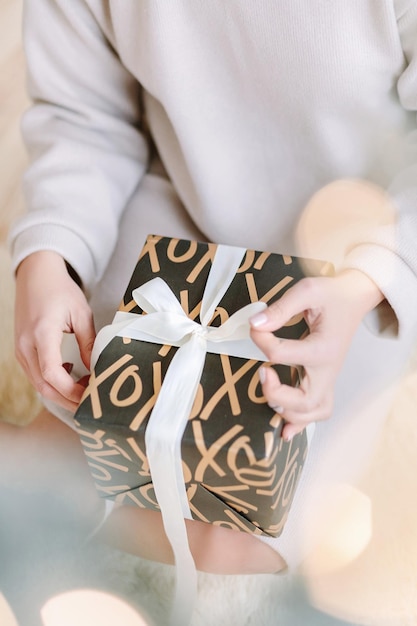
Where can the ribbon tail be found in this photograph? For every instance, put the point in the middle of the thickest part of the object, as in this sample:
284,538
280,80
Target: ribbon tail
163,448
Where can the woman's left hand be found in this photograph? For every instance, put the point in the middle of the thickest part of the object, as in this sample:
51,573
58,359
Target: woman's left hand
333,308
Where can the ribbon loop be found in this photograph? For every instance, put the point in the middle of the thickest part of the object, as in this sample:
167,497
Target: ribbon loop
155,295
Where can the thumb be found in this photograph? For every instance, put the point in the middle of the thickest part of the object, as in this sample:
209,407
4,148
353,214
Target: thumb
299,298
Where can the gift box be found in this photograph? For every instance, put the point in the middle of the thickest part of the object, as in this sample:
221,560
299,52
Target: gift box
236,469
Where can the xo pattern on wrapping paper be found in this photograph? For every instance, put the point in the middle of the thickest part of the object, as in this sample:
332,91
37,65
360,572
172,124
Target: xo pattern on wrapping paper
238,471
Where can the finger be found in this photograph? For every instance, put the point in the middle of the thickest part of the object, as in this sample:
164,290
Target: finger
34,374
49,393
300,420
302,296
64,389
85,335
322,412
304,399
289,431
46,367
309,352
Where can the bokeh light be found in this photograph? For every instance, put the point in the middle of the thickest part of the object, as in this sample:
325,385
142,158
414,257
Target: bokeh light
7,617
85,607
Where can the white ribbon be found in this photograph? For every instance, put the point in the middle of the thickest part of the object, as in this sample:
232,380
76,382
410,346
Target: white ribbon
167,323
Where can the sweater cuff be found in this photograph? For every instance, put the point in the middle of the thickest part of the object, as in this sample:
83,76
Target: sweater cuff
394,316
56,239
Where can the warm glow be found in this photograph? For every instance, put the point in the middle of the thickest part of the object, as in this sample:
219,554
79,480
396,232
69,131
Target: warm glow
352,531
340,215
6,615
86,607
345,532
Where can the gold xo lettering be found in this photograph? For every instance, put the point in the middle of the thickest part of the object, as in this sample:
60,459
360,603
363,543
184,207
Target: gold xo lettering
253,292
227,494
95,381
221,313
237,523
110,458
129,372
255,473
181,258
189,254
247,262
198,402
208,454
279,487
150,249
146,408
100,452
228,388
267,297
249,259
93,448
148,493
144,471
207,258
92,440
254,384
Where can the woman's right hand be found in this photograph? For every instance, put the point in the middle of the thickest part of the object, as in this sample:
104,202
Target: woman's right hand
48,304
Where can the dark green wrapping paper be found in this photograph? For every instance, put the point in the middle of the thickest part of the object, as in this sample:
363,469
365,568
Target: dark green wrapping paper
238,471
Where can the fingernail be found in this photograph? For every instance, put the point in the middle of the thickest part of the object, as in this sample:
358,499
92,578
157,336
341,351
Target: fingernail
68,367
288,436
258,320
262,374
84,380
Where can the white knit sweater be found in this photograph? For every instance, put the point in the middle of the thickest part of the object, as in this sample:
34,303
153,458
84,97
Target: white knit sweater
253,106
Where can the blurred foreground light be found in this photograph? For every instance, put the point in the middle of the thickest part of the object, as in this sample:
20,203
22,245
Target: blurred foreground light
352,530
6,614
346,530
342,215
87,607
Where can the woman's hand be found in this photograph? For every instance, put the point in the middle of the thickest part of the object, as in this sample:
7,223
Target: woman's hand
333,309
49,303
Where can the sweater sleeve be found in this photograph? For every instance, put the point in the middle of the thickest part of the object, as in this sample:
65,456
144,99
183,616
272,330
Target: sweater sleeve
87,153
389,257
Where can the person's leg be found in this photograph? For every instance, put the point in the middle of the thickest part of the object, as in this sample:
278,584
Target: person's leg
215,550
47,457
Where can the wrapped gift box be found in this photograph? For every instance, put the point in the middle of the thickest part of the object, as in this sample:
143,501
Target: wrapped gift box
238,471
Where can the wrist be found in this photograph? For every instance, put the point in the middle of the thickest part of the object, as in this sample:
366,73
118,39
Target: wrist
48,261
41,259
362,287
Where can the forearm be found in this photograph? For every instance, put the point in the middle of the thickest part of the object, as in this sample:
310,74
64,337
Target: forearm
87,152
